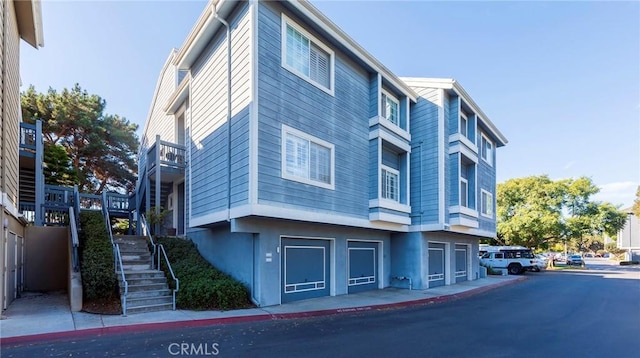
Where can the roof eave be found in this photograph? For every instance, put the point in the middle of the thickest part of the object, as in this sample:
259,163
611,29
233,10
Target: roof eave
201,33
452,84
334,31
502,140
178,97
29,17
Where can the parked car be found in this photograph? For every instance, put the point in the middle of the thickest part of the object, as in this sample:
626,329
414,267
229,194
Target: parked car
541,262
560,257
588,254
575,260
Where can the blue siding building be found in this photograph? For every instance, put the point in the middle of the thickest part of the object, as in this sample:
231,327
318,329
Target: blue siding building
303,167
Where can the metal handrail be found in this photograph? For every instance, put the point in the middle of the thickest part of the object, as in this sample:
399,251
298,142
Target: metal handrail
157,248
117,257
145,230
166,259
116,249
74,239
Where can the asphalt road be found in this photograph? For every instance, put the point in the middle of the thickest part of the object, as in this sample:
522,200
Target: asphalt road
581,313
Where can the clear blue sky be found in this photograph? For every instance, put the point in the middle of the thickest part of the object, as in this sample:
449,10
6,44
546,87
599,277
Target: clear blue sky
561,80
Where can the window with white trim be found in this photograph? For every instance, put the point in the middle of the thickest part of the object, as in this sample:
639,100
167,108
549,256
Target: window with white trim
486,203
307,159
463,125
390,108
390,184
306,56
486,150
464,192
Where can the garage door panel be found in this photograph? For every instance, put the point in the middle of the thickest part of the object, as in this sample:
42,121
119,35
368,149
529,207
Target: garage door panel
363,266
461,263
305,269
436,265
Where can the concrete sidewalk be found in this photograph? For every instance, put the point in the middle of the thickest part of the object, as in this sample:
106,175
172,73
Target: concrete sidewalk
36,317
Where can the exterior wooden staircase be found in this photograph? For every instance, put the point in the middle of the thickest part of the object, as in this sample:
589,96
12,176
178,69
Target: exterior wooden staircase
147,287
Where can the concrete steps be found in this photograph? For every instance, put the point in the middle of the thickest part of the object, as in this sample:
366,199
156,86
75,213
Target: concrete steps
147,288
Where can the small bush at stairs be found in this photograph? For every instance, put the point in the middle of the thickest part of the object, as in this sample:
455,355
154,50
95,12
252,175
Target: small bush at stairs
202,286
96,259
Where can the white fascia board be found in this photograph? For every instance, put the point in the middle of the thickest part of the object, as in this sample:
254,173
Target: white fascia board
206,26
178,96
279,212
37,23
464,140
465,151
427,227
464,222
463,210
335,32
378,133
386,217
501,139
471,231
383,122
452,84
390,205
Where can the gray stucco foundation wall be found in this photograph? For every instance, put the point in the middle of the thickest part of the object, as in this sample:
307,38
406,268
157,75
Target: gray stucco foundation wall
267,275
410,257
229,252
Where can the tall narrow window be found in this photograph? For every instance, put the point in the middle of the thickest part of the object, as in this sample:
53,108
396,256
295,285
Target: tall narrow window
464,192
306,56
307,159
487,204
390,108
486,150
390,184
463,125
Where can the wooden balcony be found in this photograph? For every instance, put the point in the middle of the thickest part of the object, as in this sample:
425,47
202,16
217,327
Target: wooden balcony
169,157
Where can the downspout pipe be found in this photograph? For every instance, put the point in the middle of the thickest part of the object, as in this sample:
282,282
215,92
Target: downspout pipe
226,24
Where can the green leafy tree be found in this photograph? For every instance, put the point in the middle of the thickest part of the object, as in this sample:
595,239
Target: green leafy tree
58,169
102,147
529,211
538,212
594,243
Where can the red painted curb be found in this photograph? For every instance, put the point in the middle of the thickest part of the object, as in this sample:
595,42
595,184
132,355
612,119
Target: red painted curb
240,319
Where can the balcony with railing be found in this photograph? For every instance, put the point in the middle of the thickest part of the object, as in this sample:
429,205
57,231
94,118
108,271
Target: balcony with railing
28,138
58,199
170,157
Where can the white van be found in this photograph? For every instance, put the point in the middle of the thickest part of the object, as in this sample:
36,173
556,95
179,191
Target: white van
516,259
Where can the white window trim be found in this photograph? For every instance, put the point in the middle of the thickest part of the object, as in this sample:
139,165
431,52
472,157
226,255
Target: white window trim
393,99
489,159
466,205
457,137
286,129
490,200
283,55
382,183
457,209
466,119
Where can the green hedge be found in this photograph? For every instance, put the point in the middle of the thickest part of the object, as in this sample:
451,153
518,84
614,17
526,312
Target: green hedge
99,280
202,286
